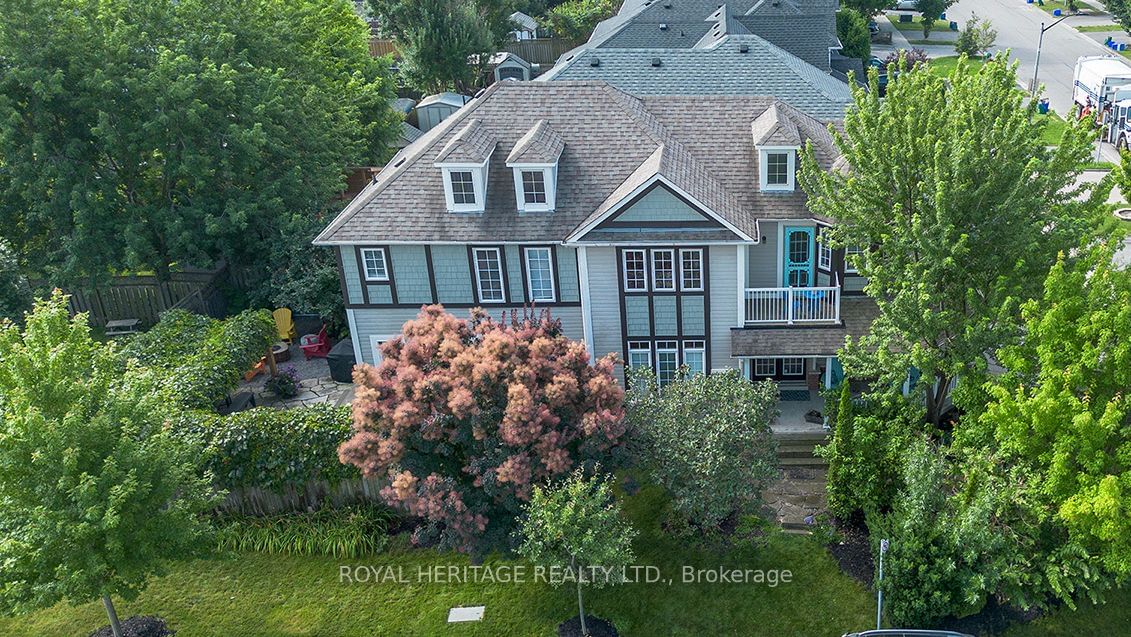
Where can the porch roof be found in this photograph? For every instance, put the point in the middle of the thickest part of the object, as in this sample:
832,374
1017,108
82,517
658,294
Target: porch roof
856,313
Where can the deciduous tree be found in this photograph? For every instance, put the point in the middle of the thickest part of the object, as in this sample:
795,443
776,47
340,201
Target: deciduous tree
95,492
931,10
576,527
852,29
961,209
466,417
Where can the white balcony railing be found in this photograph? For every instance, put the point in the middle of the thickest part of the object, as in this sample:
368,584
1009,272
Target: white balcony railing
789,306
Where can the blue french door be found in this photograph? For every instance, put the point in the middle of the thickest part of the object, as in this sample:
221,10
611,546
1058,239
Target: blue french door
797,271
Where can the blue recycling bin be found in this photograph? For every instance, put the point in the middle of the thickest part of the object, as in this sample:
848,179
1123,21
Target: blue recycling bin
1043,107
1056,13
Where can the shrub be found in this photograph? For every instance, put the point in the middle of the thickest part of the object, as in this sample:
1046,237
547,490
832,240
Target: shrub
852,29
285,385
272,448
707,440
867,452
229,349
15,291
465,417
914,57
174,339
976,38
348,532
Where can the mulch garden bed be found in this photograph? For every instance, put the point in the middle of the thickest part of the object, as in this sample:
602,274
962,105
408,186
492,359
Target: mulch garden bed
597,627
854,555
138,626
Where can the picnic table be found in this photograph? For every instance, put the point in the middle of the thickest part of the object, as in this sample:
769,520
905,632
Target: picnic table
121,327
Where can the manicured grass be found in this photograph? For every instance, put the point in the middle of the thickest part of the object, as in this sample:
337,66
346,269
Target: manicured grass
1098,28
1054,129
265,596
1052,5
915,28
1111,618
945,65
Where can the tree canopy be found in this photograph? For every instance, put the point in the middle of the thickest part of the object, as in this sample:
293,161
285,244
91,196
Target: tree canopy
961,210
137,134
95,492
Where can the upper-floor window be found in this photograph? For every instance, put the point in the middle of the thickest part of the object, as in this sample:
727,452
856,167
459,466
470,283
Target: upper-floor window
373,260
778,168
463,187
635,271
824,254
533,187
663,270
691,270
540,274
489,275
851,255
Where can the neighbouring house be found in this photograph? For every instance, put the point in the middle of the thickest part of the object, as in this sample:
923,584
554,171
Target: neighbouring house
525,27
669,230
729,65
805,28
436,108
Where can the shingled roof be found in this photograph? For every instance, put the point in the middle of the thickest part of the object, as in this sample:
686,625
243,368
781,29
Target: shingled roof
610,140
772,129
735,65
473,144
540,145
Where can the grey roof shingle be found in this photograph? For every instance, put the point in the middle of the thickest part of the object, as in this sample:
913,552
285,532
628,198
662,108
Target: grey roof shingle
473,144
772,129
608,137
724,69
856,312
540,145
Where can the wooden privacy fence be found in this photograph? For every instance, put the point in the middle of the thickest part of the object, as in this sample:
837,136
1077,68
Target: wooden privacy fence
536,51
253,501
145,298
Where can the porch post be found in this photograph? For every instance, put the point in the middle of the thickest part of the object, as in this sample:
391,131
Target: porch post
742,252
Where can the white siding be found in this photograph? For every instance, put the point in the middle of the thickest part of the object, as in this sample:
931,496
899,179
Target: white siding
724,302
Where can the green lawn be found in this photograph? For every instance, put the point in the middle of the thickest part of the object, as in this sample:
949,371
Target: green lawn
1098,28
915,28
1112,618
1052,5
945,65
265,596
1054,129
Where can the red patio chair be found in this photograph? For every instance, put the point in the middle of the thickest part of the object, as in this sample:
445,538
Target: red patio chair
315,346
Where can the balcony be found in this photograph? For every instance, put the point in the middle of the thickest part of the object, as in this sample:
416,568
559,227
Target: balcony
792,306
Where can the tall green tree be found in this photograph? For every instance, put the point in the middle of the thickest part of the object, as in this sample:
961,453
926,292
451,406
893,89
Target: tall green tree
961,209
1060,417
139,134
577,18
95,492
867,8
931,10
1120,11
444,44
852,29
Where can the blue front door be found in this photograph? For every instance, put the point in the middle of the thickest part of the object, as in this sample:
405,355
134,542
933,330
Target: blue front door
797,271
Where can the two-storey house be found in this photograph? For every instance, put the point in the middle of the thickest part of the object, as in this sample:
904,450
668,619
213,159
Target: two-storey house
668,229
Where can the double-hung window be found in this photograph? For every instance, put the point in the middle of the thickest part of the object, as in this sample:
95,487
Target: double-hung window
635,271
540,274
463,188
851,255
695,357
489,275
824,254
667,362
663,270
691,270
373,260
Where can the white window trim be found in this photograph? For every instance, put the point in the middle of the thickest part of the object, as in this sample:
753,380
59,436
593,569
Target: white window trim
849,268
549,178
529,280
824,255
675,270
365,264
701,268
637,347
699,347
791,168
478,181
792,359
667,347
754,367
624,266
375,340
479,279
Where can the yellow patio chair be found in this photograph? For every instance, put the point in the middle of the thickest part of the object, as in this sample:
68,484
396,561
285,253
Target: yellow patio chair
285,324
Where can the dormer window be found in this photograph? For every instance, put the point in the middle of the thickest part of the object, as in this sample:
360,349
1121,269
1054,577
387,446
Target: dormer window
463,163
534,160
778,169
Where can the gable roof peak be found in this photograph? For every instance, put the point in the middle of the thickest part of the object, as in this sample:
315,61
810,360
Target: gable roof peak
540,145
473,144
775,128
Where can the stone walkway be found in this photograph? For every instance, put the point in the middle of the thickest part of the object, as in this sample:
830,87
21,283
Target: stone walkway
315,384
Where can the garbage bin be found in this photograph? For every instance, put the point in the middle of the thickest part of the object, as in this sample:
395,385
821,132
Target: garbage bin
1043,107
341,360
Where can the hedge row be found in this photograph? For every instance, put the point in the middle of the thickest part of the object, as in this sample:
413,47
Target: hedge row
272,448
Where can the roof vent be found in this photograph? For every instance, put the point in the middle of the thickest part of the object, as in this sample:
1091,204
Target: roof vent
744,48
663,26
595,62
667,5
656,62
